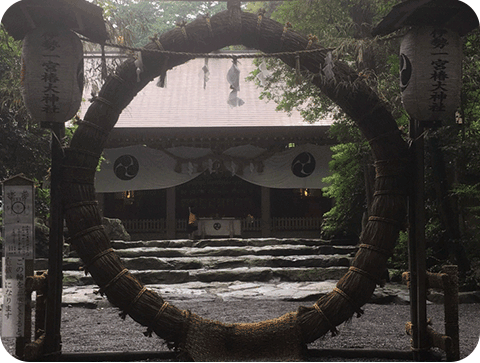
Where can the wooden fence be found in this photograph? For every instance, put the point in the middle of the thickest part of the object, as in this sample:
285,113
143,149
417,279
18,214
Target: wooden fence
278,224
144,225
249,224
296,223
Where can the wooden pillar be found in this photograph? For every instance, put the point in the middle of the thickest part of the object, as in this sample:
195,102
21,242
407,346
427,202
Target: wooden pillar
171,222
451,311
53,314
266,219
417,252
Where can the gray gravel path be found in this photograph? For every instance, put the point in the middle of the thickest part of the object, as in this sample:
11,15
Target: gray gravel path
381,327
90,324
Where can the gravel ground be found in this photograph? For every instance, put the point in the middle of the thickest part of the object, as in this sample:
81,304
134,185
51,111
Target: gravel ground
381,327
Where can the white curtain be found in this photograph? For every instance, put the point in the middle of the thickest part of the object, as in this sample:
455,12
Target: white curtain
139,167
303,166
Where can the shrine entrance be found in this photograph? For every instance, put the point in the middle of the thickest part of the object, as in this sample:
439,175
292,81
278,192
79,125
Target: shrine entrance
201,339
230,162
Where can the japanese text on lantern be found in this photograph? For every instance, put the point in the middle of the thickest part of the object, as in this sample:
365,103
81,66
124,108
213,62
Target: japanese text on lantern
50,76
439,74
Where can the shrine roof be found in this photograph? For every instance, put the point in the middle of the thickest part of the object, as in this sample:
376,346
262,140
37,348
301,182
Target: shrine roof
185,103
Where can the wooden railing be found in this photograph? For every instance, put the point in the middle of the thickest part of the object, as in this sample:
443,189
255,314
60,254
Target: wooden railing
144,225
249,224
182,225
296,223
278,224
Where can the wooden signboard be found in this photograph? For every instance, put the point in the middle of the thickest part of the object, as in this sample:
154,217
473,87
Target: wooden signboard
18,251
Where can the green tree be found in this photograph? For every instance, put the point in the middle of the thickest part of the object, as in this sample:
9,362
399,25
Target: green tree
347,184
24,146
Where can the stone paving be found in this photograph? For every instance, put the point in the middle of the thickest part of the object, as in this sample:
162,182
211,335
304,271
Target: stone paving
288,269
391,293
287,291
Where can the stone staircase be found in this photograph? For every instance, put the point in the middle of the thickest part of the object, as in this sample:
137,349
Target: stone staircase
223,260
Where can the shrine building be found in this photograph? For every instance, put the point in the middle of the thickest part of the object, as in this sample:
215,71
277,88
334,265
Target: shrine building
245,168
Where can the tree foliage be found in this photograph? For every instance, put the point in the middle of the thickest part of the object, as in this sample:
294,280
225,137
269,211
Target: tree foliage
24,146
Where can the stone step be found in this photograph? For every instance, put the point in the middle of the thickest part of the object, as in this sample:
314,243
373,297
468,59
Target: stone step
216,262
223,260
271,250
156,251
225,242
244,274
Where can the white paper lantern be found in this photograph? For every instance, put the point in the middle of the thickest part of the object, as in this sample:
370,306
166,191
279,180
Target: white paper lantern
431,73
52,74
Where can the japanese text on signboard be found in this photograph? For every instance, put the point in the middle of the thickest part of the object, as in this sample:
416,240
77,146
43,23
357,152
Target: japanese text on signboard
13,312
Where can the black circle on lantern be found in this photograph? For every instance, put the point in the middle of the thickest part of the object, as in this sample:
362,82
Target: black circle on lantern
303,165
126,167
405,72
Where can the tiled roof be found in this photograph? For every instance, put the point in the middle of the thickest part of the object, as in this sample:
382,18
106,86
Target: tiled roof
185,102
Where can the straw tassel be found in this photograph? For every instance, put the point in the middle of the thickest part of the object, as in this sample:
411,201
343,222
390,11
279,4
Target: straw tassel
209,24
312,39
287,26
261,14
182,25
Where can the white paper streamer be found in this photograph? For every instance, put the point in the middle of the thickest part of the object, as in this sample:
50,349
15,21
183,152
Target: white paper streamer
206,74
233,77
263,74
139,65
